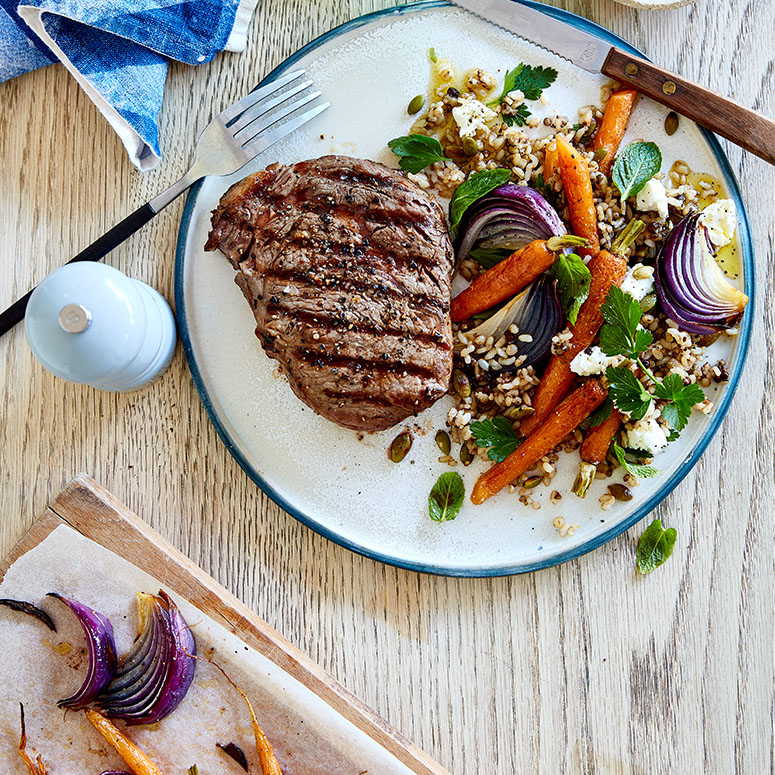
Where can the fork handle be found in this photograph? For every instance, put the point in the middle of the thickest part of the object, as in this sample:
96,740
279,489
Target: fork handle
97,250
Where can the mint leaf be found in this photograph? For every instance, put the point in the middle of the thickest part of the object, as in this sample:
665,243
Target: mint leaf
636,469
655,546
627,392
573,281
601,414
416,152
446,497
635,166
498,434
531,81
474,187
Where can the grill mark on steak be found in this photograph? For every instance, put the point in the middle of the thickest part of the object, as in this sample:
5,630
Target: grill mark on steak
319,321
337,361
344,283
347,266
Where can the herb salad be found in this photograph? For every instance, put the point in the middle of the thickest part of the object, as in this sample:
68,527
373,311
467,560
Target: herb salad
630,308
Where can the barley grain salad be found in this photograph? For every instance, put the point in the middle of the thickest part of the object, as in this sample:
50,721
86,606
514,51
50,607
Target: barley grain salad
589,284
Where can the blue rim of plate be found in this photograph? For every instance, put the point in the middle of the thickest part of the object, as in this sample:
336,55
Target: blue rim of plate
744,235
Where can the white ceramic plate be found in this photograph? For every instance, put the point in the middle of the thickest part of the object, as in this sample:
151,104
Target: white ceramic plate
336,482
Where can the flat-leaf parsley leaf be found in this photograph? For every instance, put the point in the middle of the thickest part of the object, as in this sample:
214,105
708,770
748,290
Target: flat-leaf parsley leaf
655,546
531,81
621,334
416,152
498,434
446,497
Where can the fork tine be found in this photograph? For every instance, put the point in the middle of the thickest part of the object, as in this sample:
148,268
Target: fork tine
263,141
254,129
240,106
264,106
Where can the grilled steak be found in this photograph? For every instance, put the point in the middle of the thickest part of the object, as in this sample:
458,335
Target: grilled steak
347,266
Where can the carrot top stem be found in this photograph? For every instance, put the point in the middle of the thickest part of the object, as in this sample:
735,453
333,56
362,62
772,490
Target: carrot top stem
627,236
556,244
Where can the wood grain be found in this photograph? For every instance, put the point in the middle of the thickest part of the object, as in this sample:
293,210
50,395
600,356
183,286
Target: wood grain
579,669
98,515
742,126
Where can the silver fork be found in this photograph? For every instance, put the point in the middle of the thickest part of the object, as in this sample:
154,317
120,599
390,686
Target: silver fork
234,137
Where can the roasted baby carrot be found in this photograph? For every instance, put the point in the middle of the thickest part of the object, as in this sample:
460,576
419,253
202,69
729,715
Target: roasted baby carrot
611,130
510,276
550,161
598,439
575,408
134,757
574,172
606,270
594,450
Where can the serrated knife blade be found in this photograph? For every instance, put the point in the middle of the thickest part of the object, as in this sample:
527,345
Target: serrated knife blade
580,48
744,127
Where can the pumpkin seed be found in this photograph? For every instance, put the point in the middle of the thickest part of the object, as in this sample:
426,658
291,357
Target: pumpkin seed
648,302
399,447
671,122
466,456
432,55
415,104
443,442
519,412
706,340
531,482
601,153
620,492
461,383
470,148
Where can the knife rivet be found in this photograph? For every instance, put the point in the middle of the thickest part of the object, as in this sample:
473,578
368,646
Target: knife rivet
631,68
668,87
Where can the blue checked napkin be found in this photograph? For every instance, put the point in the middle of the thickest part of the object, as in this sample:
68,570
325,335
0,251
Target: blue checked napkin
118,51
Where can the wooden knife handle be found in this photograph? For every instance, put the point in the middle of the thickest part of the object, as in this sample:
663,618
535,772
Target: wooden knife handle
744,127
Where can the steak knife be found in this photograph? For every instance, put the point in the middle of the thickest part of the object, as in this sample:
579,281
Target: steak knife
744,127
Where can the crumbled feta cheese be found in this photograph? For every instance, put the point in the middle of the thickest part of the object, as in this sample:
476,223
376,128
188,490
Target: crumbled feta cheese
646,434
720,219
653,196
638,287
470,116
593,361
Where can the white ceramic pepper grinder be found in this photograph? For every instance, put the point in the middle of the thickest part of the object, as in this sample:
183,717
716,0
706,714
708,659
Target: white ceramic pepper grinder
89,323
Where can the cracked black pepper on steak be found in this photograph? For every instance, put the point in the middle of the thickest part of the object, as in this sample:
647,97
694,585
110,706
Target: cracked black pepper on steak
347,266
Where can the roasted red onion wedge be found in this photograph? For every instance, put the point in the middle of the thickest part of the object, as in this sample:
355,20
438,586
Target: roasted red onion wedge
154,675
101,651
690,285
509,217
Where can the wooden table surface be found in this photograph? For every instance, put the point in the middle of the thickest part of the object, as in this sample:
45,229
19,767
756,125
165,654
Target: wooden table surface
584,668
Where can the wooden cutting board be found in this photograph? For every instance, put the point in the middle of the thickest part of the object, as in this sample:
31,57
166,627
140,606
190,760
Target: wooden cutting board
98,515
